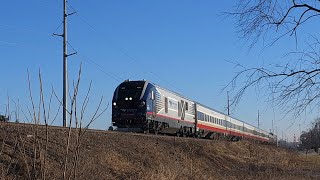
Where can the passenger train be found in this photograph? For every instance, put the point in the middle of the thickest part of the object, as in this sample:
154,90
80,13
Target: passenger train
142,106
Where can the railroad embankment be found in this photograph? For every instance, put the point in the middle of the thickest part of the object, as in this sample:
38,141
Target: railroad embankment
28,152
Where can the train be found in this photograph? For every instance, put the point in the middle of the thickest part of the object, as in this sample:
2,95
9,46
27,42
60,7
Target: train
4,118
142,106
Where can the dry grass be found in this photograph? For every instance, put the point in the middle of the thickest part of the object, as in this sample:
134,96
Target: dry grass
113,155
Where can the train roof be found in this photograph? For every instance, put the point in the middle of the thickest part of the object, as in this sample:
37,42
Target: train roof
175,93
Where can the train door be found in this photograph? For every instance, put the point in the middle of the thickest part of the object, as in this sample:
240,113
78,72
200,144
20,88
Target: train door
151,104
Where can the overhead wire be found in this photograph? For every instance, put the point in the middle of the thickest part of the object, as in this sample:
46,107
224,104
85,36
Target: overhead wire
9,43
54,32
99,67
46,3
25,29
125,52
113,42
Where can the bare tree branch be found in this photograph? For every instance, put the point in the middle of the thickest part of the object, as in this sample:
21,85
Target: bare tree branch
255,17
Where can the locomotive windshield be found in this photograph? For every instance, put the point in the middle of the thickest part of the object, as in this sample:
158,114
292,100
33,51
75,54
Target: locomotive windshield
130,90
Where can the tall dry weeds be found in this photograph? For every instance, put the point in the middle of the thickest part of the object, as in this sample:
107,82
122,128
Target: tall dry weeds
34,162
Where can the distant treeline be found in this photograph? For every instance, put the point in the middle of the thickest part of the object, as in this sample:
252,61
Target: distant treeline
311,138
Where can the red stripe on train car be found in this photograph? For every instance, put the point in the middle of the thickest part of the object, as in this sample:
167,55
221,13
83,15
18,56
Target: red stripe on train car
215,129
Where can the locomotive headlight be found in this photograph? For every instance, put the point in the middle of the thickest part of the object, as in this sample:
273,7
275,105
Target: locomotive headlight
114,103
126,99
130,98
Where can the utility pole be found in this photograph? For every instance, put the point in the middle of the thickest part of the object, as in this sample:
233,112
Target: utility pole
299,133
65,65
228,103
258,120
277,136
272,127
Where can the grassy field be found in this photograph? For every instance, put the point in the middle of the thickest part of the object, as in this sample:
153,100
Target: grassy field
28,152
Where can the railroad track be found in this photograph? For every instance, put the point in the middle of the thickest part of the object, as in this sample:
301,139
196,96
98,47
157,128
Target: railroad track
88,130
50,127
2,124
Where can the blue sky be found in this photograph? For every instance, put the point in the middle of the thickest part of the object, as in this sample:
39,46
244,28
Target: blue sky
185,46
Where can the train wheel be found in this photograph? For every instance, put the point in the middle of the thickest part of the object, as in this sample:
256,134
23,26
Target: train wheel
147,128
156,127
146,131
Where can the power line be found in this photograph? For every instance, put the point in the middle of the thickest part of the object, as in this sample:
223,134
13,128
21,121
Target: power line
46,3
113,42
9,43
25,29
125,52
58,27
99,67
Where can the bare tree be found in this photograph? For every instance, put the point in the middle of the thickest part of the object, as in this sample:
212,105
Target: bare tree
294,86
258,17
311,139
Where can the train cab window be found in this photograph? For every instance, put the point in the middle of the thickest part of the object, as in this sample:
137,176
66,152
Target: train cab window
166,105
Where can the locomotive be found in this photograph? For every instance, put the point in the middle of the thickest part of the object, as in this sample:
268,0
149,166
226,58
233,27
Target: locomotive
142,106
4,118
